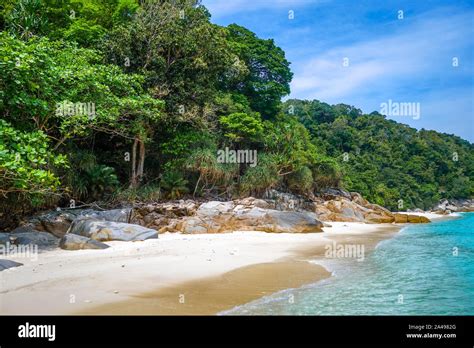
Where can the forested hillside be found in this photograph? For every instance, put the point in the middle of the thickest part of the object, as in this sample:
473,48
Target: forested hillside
121,100
389,163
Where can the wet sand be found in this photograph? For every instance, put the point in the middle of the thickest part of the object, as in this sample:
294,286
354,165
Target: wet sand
215,294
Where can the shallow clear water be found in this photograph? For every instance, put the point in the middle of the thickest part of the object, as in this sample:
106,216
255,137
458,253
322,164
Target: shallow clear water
414,273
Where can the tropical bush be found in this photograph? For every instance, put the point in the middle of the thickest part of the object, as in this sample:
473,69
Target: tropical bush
174,184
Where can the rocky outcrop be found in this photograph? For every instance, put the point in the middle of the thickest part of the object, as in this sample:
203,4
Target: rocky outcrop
379,218
276,212
41,239
356,209
401,218
352,207
410,218
219,217
357,198
6,264
340,210
454,205
107,230
76,242
27,235
58,222
161,215
417,219
265,204
282,201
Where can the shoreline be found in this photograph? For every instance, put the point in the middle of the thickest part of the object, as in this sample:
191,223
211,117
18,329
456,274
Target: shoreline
176,274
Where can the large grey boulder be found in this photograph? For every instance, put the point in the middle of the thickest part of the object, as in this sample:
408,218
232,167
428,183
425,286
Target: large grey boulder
27,235
58,222
6,264
76,242
291,222
107,230
41,239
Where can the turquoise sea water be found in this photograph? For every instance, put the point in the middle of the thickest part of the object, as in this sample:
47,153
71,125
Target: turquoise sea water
416,272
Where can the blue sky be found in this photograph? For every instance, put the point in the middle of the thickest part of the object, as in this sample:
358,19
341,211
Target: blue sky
403,60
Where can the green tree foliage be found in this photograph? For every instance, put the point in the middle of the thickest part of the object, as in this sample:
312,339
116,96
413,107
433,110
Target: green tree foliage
268,74
239,126
182,54
290,143
262,177
43,82
90,180
174,184
214,177
27,18
27,172
301,181
388,161
125,11
26,162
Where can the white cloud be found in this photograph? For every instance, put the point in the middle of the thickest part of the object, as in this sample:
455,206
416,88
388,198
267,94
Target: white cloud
417,49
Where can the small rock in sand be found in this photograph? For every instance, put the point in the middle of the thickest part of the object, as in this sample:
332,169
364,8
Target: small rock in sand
5,264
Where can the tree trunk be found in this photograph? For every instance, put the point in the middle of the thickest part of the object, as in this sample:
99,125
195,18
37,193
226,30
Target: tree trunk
137,166
197,185
141,161
133,178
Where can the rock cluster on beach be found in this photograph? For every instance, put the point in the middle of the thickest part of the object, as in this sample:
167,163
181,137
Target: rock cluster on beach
352,207
216,217
275,212
454,205
248,214
58,222
278,212
78,229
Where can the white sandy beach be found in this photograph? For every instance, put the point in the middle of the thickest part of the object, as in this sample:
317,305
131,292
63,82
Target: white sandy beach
67,282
